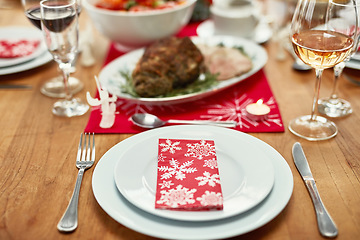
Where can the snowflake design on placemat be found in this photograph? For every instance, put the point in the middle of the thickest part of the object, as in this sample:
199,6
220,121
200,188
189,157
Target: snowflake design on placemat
234,110
177,170
161,158
211,163
170,146
212,180
166,184
177,196
210,198
129,108
201,150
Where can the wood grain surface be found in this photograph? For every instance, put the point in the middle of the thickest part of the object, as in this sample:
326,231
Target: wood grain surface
38,149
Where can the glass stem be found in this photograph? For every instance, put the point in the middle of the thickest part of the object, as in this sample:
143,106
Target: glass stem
66,68
338,69
316,93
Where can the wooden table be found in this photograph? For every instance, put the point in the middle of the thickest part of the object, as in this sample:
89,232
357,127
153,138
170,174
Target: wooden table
37,152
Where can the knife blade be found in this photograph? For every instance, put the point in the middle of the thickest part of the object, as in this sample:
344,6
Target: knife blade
14,86
326,225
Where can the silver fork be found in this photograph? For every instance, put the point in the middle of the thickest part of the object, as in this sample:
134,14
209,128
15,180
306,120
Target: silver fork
84,160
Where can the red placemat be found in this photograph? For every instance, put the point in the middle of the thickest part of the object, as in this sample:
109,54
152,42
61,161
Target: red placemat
228,104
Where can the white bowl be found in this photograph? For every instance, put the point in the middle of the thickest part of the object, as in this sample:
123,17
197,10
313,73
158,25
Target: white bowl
239,21
130,30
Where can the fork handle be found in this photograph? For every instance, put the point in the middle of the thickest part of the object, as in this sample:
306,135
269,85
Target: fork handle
69,220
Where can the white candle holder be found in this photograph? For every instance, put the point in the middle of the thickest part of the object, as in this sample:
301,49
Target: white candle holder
257,111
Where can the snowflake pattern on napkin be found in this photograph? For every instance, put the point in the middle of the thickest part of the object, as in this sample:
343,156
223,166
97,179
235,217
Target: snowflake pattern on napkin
187,176
17,48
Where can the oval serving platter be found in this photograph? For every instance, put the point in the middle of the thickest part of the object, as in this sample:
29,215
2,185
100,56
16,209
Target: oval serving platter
112,79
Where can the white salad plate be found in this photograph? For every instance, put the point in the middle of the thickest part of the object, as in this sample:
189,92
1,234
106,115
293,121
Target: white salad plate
246,174
127,214
22,33
111,78
262,33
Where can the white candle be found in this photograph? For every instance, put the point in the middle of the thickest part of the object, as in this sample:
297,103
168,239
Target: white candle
257,111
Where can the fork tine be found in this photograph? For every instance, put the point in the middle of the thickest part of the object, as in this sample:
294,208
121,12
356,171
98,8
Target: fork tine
83,154
93,148
79,148
88,148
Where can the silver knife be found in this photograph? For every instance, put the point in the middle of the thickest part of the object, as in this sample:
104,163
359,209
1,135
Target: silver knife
14,86
326,225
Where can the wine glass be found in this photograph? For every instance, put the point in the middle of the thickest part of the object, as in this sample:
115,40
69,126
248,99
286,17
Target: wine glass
59,23
334,106
277,13
317,43
55,86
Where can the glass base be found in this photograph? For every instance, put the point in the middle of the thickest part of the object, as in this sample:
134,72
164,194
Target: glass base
55,87
334,107
70,108
313,130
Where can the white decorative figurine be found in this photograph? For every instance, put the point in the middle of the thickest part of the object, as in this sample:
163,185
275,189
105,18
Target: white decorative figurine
108,106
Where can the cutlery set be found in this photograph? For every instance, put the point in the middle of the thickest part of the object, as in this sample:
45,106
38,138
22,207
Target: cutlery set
251,198
258,181
86,157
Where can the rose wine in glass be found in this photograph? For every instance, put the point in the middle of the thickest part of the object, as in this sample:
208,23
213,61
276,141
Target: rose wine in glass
55,86
333,106
317,43
322,49
59,23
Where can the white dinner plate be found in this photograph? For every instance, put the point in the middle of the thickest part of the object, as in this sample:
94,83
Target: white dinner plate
22,33
111,78
262,34
356,56
354,64
36,62
124,212
246,174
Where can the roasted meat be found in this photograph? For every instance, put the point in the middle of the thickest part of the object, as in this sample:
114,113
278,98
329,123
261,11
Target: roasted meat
167,64
225,62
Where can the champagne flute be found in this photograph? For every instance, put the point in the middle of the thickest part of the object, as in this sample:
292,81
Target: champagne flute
334,106
317,43
55,86
59,23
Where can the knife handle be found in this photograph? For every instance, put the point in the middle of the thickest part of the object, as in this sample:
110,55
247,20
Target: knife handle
326,225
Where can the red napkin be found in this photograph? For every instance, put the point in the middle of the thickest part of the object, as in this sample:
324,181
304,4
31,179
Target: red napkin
17,48
188,178
228,104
